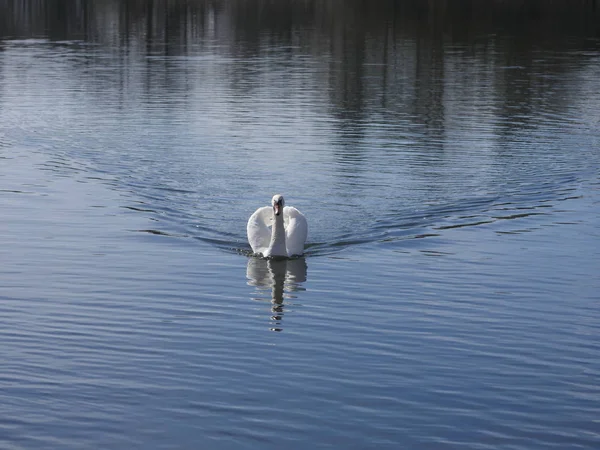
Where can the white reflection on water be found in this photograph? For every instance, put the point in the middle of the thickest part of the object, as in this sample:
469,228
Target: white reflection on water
279,277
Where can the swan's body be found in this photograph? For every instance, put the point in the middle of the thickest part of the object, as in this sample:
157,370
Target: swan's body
277,230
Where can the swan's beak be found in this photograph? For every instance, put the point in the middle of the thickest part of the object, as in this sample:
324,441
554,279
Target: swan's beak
276,208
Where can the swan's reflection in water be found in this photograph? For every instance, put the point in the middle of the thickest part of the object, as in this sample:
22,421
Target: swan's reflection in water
280,278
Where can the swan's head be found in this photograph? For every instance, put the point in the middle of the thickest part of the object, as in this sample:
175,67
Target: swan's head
278,204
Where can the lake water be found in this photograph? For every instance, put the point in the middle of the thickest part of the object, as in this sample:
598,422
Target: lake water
447,160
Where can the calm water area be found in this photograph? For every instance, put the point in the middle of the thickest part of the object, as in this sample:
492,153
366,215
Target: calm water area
445,154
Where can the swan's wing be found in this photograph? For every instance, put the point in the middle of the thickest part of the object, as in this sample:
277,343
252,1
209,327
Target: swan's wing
258,228
296,230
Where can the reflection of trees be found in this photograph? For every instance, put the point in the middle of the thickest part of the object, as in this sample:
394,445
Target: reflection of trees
252,22
387,58
55,19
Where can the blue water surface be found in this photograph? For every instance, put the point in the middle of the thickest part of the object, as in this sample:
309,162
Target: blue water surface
448,297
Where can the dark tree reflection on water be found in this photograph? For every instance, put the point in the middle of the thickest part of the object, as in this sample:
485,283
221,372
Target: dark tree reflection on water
395,62
351,33
251,22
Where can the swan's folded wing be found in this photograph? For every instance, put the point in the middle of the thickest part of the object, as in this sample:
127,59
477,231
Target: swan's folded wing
296,230
259,233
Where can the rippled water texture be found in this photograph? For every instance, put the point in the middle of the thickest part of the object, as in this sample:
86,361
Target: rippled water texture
446,156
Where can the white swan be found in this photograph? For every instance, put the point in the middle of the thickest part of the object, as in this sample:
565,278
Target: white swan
277,230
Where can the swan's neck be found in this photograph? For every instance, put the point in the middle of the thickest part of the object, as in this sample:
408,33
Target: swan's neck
277,245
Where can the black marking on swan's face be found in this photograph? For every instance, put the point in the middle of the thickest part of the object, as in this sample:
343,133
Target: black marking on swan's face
278,204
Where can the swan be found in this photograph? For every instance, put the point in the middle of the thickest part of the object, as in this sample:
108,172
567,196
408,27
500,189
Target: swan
277,230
